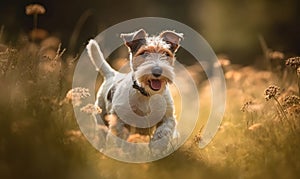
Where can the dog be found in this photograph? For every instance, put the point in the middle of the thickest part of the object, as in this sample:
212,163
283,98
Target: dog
140,101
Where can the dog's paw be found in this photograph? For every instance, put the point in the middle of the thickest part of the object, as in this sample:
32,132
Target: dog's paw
160,147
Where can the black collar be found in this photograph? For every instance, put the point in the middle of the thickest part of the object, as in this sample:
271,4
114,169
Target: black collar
139,88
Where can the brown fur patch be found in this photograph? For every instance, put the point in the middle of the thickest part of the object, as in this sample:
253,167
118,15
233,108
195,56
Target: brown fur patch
138,59
154,49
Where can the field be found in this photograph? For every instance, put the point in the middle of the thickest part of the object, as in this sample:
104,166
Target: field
39,137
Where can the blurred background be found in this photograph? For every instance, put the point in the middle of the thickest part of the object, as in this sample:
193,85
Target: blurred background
231,27
39,134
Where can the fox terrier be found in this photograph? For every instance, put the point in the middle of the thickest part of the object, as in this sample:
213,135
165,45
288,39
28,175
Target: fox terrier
140,100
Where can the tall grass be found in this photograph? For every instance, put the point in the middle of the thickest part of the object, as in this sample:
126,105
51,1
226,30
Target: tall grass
39,136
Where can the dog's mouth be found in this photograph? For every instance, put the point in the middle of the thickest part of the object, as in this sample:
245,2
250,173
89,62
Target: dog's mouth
155,84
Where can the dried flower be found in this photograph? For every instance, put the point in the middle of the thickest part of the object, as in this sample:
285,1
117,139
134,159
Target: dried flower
294,111
293,62
197,138
291,100
250,106
76,95
34,9
276,55
223,61
233,75
38,34
272,92
246,106
91,109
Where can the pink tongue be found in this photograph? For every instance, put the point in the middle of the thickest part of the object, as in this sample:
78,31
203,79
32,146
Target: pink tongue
155,84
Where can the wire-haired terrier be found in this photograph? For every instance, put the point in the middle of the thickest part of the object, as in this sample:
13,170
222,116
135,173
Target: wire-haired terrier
140,100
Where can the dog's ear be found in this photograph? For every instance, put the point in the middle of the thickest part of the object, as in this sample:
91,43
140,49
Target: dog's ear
172,38
134,40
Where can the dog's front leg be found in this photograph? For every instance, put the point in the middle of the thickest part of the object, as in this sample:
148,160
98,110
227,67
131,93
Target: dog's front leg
117,132
162,138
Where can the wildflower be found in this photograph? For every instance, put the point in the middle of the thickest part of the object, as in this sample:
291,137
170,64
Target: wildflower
293,62
276,55
272,92
251,108
50,43
294,111
38,34
223,61
34,9
291,100
246,106
233,75
197,138
76,95
91,109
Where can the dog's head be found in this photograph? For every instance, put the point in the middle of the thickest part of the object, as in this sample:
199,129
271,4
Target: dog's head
152,58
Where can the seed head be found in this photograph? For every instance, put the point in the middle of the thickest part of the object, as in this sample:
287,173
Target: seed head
246,106
293,62
223,61
291,100
294,111
76,95
34,9
91,109
197,138
251,106
276,55
272,92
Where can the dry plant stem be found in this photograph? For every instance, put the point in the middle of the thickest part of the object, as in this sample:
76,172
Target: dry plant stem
252,118
1,32
280,108
279,113
59,52
35,19
247,123
283,113
249,120
285,77
265,50
79,25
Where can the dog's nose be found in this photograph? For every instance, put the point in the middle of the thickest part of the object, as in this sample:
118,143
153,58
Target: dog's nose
156,71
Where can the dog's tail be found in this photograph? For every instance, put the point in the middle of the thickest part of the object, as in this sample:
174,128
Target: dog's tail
98,59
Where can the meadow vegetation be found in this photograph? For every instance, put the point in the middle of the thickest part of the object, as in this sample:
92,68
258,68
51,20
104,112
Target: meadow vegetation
39,137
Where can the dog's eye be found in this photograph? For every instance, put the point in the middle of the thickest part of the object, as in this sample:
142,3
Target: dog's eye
167,54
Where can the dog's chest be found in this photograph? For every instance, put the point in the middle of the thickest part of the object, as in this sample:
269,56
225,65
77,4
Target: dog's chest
140,105
127,99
